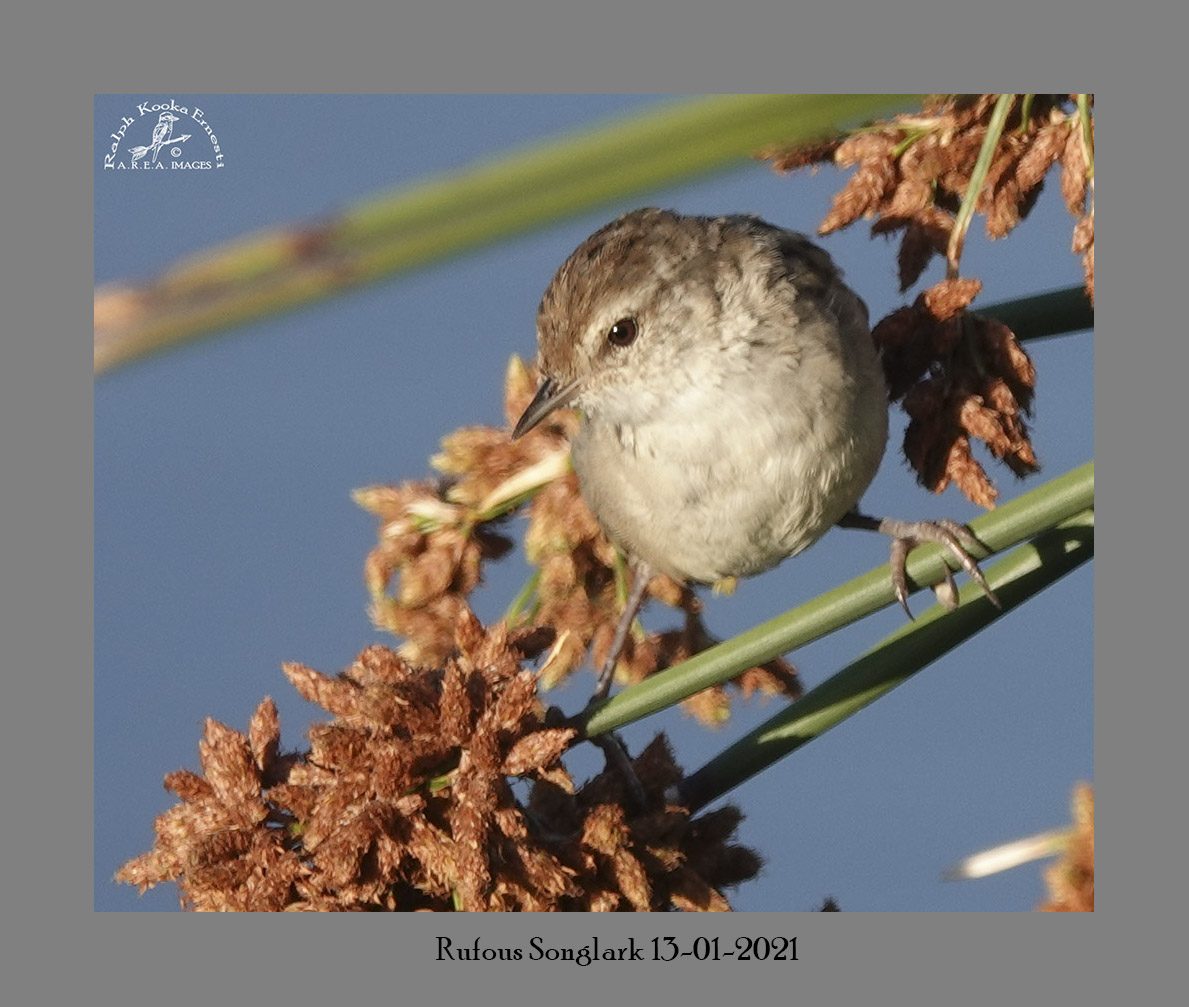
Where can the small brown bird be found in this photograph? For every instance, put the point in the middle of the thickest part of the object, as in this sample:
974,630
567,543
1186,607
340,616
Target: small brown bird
732,401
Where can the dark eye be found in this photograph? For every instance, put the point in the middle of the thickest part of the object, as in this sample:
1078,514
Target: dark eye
622,333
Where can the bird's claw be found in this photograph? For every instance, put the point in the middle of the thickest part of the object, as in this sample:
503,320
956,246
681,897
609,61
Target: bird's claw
898,562
955,538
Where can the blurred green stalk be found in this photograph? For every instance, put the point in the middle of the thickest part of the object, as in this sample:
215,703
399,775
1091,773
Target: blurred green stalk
275,271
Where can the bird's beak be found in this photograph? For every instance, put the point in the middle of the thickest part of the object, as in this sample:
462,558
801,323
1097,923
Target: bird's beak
548,398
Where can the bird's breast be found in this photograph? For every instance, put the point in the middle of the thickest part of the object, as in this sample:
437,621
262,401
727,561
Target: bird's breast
729,481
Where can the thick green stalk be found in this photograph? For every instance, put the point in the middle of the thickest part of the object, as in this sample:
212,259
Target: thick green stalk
1049,314
1025,572
1008,525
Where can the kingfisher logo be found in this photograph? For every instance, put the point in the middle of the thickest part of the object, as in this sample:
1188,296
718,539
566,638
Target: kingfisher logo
173,140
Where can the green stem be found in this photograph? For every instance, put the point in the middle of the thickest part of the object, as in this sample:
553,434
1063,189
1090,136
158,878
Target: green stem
1006,526
908,141
507,506
1025,572
986,155
1025,113
1049,314
1087,134
523,597
620,569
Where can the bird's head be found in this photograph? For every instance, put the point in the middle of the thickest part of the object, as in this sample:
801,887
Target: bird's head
615,324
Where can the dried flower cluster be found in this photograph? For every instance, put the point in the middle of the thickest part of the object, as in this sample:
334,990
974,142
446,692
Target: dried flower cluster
1071,879
404,801
914,170
434,538
962,377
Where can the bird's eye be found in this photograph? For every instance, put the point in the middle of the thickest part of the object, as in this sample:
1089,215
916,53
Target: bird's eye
622,333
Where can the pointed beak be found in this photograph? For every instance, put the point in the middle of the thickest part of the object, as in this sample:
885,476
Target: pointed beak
550,396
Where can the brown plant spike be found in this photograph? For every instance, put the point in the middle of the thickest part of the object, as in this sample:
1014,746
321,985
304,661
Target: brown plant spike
404,802
962,377
912,171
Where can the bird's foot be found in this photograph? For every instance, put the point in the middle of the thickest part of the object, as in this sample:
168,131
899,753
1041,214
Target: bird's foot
955,538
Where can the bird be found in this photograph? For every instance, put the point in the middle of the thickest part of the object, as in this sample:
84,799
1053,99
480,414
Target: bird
161,135
732,402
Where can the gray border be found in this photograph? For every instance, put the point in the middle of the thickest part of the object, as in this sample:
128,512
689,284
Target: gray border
69,953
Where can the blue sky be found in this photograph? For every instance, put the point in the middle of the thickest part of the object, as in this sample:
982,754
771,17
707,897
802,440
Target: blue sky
226,541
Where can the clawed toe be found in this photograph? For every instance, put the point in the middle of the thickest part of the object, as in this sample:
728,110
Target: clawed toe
946,592
898,561
957,540
906,535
